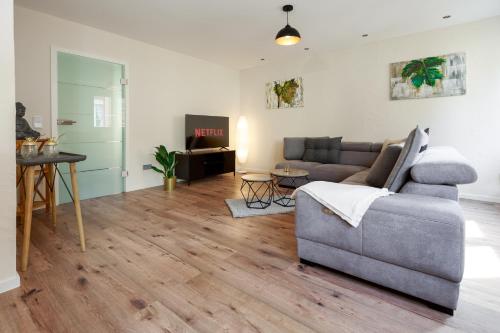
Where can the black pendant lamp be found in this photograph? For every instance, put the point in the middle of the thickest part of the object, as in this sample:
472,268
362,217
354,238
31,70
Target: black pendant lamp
288,35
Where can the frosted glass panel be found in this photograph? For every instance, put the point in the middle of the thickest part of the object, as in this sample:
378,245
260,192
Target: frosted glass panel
91,95
93,184
99,155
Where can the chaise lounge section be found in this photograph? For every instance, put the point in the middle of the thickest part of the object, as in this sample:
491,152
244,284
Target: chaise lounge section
407,242
412,241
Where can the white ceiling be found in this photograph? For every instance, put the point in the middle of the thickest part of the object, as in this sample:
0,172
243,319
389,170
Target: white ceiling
237,33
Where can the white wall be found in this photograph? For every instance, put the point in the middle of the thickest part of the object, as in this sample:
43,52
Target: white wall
163,85
8,275
346,93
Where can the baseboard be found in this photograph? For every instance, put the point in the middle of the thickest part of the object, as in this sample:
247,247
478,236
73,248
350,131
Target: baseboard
10,283
479,197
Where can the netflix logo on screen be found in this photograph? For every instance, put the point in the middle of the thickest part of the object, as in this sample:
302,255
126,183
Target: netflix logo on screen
199,132
206,131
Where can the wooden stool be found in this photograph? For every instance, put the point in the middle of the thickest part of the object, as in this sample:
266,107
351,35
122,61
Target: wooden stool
44,199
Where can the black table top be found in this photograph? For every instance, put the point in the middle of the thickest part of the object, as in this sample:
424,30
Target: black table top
204,151
42,159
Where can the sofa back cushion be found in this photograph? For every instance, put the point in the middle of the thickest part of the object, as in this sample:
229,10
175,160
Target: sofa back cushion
333,172
383,165
351,153
322,150
359,153
414,145
293,148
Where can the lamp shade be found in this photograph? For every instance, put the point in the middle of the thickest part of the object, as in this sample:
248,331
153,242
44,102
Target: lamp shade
242,140
287,36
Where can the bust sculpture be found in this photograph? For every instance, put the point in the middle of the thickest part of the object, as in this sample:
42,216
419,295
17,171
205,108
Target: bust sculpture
23,129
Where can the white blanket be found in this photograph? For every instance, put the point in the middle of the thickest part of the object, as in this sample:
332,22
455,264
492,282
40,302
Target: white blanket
349,202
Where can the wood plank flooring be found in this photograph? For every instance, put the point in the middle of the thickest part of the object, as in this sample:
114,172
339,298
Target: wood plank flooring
178,262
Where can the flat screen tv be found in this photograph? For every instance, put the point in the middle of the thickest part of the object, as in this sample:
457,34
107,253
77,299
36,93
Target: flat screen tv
206,132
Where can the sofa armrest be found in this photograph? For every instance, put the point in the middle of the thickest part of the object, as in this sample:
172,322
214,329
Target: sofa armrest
440,191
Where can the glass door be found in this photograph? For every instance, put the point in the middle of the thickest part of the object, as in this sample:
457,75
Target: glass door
90,121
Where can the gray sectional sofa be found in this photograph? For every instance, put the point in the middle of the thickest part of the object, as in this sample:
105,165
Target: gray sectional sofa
354,158
412,241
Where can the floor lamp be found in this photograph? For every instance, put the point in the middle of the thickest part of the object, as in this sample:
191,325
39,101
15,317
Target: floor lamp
242,142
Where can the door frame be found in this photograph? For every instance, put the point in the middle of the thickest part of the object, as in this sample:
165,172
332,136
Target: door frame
54,100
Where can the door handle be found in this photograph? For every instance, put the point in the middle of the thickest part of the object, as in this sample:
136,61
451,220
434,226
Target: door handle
65,122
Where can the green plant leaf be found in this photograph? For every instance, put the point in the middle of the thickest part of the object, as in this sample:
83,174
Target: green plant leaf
433,74
430,81
289,90
417,80
167,161
423,71
158,170
413,67
160,159
434,61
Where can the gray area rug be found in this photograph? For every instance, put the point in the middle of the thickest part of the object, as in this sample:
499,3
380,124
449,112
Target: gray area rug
239,209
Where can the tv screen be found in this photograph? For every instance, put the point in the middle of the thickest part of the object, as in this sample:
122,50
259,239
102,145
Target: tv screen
206,131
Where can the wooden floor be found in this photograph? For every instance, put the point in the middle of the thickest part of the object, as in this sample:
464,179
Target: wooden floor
178,262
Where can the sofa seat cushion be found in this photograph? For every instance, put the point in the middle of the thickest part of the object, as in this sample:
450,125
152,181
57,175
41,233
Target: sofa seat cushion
324,226
421,233
298,164
334,172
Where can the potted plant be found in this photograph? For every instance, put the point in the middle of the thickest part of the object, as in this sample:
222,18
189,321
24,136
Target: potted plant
167,162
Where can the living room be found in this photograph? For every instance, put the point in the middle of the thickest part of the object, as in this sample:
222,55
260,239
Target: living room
220,239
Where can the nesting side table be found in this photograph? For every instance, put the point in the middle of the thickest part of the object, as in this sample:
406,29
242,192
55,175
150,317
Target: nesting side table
282,195
257,190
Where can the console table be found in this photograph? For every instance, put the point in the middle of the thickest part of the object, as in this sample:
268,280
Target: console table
200,164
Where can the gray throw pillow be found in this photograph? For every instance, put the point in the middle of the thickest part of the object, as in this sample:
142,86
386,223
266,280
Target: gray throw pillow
415,144
383,165
334,147
315,149
322,150
293,148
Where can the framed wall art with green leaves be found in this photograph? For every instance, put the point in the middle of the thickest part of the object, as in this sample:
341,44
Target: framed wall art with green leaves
436,76
283,94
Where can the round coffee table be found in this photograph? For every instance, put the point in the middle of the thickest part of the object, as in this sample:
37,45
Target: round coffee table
257,190
285,182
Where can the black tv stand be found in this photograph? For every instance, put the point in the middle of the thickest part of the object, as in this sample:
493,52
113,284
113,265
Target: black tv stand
198,164
223,148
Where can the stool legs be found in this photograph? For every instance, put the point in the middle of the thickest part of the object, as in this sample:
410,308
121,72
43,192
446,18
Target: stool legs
78,211
45,170
28,207
51,194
